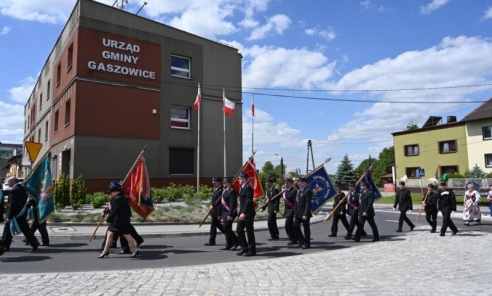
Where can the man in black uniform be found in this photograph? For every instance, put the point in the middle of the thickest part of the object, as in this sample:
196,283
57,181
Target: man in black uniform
17,209
447,204
36,225
339,213
229,213
273,209
289,197
403,200
215,211
246,218
353,210
430,206
366,212
302,215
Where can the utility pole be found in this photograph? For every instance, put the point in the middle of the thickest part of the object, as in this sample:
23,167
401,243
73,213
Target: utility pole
282,172
310,148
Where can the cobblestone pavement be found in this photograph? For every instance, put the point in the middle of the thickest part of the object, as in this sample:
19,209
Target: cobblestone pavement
419,263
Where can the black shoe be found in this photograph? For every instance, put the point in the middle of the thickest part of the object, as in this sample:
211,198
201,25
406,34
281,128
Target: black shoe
135,254
2,251
45,244
454,232
412,227
364,235
234,246
304,247
34,248
209,244
225,249
250,254
347,237
357,240
6,249
273,239
375,239
24,240
433,231
125,252
242,252
442,234
103,255
398,230
332,235
292,244
299,245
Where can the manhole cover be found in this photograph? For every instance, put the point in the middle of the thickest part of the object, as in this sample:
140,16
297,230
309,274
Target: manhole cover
63,229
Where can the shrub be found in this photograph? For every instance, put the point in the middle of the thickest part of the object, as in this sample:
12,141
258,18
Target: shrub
158,195
206,191
99,199
77,193
171,192
61,193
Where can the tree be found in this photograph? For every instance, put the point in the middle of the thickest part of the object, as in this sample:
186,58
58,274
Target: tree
384,164
345,172
269,171
365,164
412,126
476,172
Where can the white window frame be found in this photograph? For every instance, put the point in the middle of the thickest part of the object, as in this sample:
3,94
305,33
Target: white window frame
176,71
488,160
176,119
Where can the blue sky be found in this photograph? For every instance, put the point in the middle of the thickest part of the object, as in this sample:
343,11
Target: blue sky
343,74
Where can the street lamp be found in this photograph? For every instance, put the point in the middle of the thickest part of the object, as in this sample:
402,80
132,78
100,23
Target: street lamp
281,166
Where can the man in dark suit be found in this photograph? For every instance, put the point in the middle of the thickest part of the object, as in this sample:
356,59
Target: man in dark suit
246,218
273,209
403,200
430,206
366,212
289,198
17,209
447,204
302,215
353,210
339,213
229,213
215,211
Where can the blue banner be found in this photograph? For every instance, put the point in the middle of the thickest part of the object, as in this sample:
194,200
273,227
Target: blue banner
319,183
370,185
40,186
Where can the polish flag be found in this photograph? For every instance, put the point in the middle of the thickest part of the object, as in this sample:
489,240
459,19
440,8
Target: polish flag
228,106
198,100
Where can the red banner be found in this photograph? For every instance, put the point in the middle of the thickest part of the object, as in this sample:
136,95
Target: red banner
137,188
249,169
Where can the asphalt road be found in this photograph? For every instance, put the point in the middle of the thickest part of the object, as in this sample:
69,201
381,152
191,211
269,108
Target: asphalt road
75,256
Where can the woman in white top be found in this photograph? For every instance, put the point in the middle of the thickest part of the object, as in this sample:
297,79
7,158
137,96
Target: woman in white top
471,211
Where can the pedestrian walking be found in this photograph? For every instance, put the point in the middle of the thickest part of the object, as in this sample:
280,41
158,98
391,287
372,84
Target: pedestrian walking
215,212
353,211
245,223
229,213
430,206
366,213
273,209
447,204
471,206
302,215
340,210
289,198
403,200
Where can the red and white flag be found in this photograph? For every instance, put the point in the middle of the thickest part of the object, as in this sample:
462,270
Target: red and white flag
228,106
253,106
198,100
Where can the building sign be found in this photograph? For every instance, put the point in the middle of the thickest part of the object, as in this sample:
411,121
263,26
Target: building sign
120,58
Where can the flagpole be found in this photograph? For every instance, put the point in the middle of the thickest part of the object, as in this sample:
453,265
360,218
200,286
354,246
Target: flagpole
223,100
252,122
198,148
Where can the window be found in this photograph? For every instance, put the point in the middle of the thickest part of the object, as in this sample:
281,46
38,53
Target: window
58,74
55,128
181,161
180,117
67,113
48,90
411,150
411,172
452,169
46,132
180,67
70,57
488,160
447,147
40,101
487,132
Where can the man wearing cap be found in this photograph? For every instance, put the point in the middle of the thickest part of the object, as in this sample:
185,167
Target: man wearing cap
289,198
353,210
246,218
447,204
228,213
403,200
273,209
366,213
430,206
339,211
302,215
215,212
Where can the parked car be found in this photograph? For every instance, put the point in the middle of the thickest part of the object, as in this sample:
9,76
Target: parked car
6,189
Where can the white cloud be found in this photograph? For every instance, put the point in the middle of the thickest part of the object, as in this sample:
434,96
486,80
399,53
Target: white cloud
434,5
278,23
12,116
488,13
328,34
5,30
22,92
369,5
281,67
